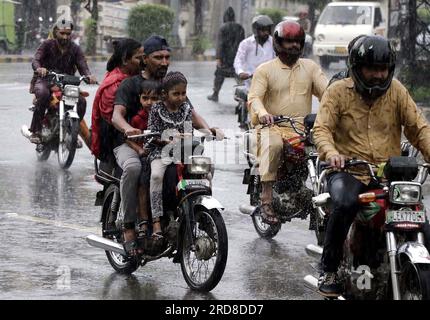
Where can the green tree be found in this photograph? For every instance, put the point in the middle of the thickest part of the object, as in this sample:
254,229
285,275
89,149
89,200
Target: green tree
150,19
275,14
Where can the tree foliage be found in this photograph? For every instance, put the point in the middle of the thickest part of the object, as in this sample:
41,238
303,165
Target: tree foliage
150,19
275,14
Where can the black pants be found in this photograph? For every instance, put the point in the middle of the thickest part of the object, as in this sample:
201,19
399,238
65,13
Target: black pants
43,96
344,190
220,74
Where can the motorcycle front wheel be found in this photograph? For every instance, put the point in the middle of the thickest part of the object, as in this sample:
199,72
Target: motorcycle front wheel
414,281
111,223
204,263
67,143
264,230
43,152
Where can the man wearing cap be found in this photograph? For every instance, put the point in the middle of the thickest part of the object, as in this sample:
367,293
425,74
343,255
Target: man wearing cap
60,55
126,105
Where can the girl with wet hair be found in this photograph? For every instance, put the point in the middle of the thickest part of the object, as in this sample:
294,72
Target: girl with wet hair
171,117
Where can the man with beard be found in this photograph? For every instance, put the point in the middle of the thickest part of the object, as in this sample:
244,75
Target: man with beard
60,55
362,117
282,86
127,104
255,49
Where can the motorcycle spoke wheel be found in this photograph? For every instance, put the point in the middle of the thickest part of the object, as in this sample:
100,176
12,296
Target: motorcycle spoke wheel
264,230
203,265
67,143
414,281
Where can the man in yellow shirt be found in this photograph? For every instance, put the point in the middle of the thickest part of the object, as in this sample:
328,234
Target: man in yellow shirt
362,117
282,86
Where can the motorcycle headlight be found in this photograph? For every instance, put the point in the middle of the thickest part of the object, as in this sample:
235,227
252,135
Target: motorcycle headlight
199,165
71,91
405,193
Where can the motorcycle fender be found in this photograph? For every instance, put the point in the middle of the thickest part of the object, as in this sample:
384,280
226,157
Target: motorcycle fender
415,252
72,114
208,202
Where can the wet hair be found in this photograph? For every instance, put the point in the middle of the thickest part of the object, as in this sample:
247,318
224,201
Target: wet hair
123,50
150,86
173,79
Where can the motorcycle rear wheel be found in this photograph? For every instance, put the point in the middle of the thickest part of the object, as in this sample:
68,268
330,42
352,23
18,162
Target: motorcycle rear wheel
67,143
264,230
414,281
203,267
118,262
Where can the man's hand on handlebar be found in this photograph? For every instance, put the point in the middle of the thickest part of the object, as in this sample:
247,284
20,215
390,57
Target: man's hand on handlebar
132,132
42,72
244,76
92,79
338,161
217,133
267,119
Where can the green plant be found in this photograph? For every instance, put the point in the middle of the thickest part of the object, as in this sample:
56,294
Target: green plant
421,94
201,44
91,36
424,15
275,14
150,19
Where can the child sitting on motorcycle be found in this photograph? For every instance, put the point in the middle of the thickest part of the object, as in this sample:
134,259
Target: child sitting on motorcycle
172,117
149,94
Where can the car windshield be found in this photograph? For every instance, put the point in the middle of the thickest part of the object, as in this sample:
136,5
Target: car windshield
346,15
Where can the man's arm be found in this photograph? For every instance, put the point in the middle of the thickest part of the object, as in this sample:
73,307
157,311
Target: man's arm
325,124
81,62
240,59
119,122
416,128
319,82
259,87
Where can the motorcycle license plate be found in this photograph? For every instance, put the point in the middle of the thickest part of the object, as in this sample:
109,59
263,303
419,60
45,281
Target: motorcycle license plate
192,182
395,216
340,50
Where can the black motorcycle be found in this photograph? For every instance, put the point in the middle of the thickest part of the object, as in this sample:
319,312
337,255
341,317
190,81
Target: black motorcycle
193,228
291,197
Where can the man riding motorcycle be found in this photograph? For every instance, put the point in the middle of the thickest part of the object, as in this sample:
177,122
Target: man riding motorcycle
362,117
60,55
282,86
255,49
126,105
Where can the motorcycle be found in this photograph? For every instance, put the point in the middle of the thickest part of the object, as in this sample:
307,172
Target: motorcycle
384,253
291,197
193,228
60,126
241,96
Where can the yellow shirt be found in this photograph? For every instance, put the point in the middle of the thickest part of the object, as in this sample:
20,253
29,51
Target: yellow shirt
281,90
346,125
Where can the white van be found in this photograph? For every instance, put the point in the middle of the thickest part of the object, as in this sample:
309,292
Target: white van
339,23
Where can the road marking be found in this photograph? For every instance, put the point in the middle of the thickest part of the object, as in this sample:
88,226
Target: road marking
59,224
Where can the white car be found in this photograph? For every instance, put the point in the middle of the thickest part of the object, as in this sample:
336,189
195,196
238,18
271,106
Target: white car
339,23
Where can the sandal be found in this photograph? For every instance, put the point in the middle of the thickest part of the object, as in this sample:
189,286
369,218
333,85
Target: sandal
142,229
131,248
268,218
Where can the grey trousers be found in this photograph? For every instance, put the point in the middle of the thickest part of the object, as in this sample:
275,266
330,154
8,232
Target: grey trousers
158,168
129,161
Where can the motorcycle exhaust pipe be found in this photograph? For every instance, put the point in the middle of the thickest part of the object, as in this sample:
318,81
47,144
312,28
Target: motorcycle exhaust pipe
105,244
314,251
246,209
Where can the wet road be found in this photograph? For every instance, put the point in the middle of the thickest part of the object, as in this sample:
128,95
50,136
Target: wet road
46,213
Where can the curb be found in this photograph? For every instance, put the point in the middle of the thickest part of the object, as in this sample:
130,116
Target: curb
27,59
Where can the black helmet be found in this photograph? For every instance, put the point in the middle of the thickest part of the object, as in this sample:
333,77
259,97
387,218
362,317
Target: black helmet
371,51
260,22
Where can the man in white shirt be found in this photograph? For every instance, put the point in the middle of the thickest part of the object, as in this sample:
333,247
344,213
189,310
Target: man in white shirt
255,49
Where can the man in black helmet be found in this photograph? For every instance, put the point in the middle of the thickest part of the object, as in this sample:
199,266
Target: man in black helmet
255,49
362,117
229,36
60,55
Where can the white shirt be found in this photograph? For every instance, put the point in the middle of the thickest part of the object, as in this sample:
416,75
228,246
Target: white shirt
251,54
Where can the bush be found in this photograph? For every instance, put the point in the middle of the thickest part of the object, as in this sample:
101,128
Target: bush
201,44
275,14
91,36
424,15
150,19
